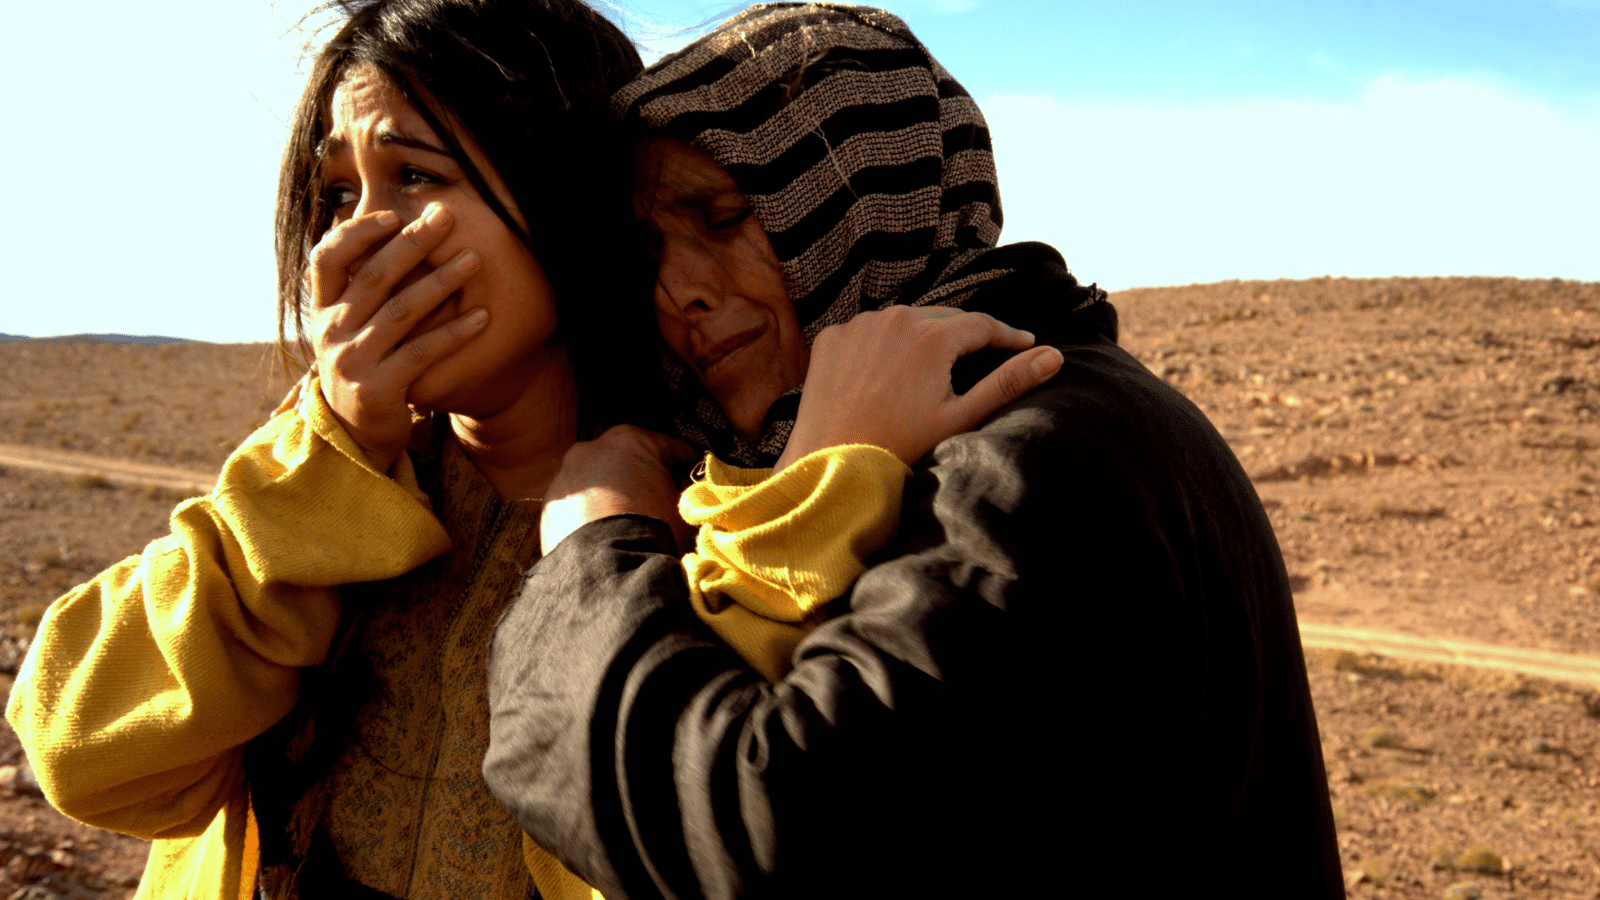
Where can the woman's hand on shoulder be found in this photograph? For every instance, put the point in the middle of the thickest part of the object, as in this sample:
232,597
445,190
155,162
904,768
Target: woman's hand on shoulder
883,378
625,470
365,306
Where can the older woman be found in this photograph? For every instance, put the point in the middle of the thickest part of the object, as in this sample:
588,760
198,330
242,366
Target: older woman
1077,655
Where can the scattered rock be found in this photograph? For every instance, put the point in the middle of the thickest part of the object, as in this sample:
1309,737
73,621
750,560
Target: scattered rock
1313,464
19,779
1463,891
54,887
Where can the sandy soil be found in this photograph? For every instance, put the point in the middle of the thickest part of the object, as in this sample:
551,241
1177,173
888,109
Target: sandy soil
1425,448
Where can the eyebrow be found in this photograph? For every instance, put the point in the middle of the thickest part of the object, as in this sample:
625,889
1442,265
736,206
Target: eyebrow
702,197
387,134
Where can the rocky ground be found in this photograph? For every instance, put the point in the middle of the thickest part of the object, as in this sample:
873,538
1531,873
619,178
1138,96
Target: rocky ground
1425,448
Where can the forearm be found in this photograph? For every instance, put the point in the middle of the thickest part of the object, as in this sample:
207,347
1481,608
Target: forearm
141,686
649,758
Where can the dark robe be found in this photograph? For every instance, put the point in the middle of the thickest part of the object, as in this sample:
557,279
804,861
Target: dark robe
1074,671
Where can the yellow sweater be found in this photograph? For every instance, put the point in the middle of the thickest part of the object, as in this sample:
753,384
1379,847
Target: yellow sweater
143,685
771,551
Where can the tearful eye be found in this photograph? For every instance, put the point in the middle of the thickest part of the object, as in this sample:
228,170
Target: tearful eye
338,196
411,177
723,221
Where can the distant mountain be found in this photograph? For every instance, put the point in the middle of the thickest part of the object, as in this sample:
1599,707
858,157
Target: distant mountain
97,338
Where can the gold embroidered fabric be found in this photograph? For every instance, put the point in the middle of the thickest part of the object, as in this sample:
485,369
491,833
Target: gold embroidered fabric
405,805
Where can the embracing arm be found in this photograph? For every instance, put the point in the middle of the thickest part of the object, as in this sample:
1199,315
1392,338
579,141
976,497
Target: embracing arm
690,773
1079,638
142,685
903,721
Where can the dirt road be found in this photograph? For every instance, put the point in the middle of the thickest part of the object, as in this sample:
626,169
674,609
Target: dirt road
120,471
1573,669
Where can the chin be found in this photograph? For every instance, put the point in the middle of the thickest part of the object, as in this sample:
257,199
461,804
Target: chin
445,386
747,415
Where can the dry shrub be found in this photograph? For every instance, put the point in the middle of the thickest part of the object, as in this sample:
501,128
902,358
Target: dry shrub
1345,661
1379,738
91,482
1478,858
1405,791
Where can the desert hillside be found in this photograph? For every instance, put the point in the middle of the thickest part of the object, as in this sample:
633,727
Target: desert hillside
1426,449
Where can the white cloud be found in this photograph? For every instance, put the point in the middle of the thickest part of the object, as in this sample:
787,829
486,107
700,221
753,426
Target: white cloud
1445,177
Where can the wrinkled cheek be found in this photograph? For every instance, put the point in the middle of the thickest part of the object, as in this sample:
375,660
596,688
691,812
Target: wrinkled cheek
674,332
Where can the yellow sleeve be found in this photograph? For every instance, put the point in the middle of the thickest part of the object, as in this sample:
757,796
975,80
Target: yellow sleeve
554,881
773,549
142,685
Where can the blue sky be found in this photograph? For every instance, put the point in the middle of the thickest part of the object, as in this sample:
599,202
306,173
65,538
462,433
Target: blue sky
1152,142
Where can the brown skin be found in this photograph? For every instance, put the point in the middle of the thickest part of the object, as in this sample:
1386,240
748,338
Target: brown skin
721,302
883,378
400,312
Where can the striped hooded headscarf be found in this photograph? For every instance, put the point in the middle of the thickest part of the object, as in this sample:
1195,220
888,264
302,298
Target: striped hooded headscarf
868,166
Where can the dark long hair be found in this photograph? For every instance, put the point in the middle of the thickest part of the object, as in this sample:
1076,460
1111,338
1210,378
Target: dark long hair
530,82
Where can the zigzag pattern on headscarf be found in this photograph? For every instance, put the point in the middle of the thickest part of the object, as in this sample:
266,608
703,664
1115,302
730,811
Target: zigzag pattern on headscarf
868,166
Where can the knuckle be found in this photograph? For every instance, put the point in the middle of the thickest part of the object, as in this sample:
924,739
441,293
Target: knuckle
417,352
411,239
929,334
369,275
326,248
1013,386
340,361
396,310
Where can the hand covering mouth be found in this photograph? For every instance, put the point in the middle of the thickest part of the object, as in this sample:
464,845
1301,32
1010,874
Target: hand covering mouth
448,309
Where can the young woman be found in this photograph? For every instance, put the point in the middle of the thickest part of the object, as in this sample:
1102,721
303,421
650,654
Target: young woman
295,675
1078,642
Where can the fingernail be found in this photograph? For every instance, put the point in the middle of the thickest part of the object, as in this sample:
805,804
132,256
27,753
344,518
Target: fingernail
467,261
388,218
434,214
1028,335
1047,364
477,317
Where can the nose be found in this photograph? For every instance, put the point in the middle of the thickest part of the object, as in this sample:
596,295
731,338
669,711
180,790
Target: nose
689,280
373,201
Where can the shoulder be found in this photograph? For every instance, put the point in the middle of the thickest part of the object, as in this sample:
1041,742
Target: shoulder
1106,466
1104,414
